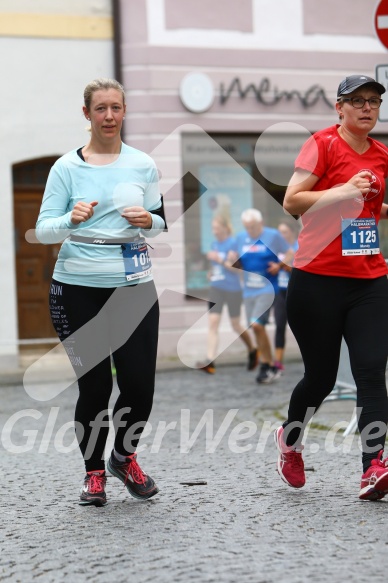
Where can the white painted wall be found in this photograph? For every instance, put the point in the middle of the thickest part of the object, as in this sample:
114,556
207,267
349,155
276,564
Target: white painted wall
41,100
277,24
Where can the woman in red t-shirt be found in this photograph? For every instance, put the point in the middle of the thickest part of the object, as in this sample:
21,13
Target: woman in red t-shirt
338,287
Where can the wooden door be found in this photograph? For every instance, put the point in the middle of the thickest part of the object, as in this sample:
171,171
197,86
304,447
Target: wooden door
34,268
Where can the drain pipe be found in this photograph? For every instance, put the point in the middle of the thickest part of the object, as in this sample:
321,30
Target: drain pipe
117,40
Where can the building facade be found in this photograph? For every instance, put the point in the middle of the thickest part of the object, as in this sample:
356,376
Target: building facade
49,50
220,94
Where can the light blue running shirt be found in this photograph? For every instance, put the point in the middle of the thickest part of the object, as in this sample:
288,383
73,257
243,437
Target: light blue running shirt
131,180
221,277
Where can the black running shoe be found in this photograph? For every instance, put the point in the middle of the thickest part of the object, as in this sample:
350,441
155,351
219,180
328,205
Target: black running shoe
253,359
277,372
93,490
266,374
134,479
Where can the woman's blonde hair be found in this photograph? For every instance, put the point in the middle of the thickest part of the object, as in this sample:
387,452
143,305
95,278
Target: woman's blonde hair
101,84
224,222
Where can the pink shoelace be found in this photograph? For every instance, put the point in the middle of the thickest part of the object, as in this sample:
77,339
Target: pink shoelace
96,482
383,463
294,458
134,470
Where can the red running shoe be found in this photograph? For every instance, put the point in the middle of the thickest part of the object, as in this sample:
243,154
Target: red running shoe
374,482
93,490
290,462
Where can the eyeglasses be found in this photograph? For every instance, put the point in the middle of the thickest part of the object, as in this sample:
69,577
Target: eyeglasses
359,102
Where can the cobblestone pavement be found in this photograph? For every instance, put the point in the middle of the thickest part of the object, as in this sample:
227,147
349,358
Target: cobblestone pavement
243,525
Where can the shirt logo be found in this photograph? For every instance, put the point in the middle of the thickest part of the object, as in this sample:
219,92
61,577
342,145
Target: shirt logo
256,248
375,186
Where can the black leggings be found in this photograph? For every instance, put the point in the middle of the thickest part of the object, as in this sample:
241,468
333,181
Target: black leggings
280,313
321,311
92,323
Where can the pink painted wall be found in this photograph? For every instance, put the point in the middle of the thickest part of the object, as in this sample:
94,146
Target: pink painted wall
152,75
203,14
333,17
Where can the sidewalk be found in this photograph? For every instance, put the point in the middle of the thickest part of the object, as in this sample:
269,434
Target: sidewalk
222,515
50,364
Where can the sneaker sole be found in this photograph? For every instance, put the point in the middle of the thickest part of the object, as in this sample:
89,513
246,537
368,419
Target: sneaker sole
208,371
93,502
372,495
266,381
112,471
278,465
375,492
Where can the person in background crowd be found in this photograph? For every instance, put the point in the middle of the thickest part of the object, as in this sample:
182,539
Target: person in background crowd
103,198
257,251
338,286
289,232
225,288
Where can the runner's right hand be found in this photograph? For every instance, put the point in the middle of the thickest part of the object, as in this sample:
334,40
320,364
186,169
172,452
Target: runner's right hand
82,212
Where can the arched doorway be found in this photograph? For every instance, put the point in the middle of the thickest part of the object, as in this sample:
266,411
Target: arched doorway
34,262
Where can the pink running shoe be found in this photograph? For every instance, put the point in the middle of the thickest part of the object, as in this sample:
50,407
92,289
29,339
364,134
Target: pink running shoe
374,482
290,462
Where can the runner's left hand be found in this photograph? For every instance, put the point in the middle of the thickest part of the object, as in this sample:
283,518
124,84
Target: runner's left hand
137,216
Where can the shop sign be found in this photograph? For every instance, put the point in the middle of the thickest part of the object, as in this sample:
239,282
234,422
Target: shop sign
197,93
270,96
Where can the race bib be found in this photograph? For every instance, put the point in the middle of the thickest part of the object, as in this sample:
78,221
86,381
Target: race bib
283,278
360,237
217,273
255,280
137,263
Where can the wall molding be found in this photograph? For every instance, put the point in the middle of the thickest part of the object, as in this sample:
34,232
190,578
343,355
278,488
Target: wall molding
56,26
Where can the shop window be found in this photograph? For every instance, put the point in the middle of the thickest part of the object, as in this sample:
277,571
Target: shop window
226,174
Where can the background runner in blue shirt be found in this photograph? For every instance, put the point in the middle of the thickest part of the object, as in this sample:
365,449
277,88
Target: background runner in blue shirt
290,233
225,288
257,251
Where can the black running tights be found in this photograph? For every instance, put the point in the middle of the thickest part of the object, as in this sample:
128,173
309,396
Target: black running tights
280,314
321,311
92,323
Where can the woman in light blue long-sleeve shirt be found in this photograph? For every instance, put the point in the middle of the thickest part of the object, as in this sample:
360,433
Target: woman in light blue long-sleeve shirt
102,200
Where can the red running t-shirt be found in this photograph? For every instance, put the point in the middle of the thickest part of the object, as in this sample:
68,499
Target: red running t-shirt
330,158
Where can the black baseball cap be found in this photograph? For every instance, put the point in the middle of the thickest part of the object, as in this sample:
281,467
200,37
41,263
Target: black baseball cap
353,82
